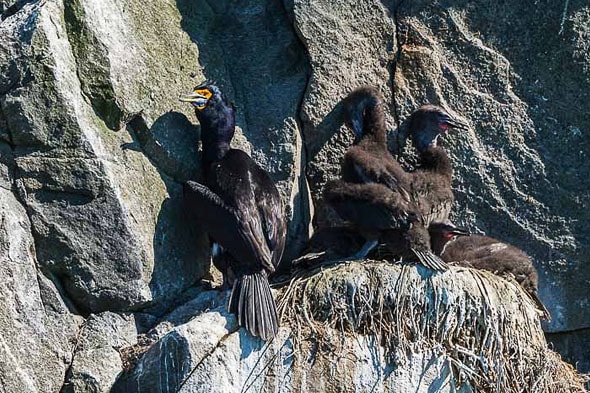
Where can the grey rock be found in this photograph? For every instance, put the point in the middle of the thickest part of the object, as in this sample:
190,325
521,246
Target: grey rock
38,331
108,225
9,7
6,168
183,341
521,84
364,326
96,360
521,87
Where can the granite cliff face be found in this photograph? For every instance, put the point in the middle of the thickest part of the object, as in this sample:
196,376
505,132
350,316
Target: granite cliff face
96,258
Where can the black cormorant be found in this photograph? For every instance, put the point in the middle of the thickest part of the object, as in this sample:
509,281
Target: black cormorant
386,203
240,208
456,245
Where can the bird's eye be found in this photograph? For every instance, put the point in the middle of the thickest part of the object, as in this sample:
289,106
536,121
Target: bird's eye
448,235
443,125
204,92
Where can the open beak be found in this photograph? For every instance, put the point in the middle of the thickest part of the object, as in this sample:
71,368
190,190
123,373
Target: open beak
194,98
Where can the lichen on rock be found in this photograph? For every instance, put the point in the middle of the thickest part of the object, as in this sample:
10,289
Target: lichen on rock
94,145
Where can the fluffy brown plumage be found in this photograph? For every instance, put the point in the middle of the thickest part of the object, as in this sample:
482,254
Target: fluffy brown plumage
455,245
386,203
431,181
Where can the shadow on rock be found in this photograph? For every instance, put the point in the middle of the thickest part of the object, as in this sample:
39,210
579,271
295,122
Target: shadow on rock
171,143
181,255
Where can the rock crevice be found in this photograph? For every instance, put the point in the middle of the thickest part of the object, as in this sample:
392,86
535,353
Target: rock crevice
94,146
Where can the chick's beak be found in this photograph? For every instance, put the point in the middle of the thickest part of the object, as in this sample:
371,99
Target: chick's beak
458,231
456,123
194,98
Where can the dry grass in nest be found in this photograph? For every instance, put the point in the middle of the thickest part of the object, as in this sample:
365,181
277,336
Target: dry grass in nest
487,328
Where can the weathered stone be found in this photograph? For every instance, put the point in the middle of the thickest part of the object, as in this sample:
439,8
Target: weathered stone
185,342
38,332
474,59
509,182
10,7
107,224
96,360
412,331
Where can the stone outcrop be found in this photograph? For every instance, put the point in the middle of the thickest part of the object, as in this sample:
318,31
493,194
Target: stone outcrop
103,217
369,326
38,331
97,261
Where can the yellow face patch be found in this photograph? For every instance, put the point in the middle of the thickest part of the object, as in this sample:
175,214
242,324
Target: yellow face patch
205,93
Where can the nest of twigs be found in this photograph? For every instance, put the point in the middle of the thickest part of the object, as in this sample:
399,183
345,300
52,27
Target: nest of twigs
486,328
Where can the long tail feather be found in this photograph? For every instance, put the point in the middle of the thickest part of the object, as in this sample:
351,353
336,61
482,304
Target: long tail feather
546,316
252,302
431,261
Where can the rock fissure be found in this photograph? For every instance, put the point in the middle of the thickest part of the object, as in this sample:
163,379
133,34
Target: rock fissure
395,61
92,66
8,136
204,358
304,199
19,192
68,372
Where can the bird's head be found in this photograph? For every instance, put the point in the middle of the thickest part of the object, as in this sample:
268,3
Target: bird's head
205,95
216,115
428,123
443,232
363,113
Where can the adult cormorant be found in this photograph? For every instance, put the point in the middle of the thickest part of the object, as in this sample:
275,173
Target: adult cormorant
240,208
386,203
456,245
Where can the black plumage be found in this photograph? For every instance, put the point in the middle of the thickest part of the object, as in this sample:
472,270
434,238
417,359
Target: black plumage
330,244
455,245
240,208
386,203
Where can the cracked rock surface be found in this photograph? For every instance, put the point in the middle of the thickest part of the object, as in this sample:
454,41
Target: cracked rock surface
96,257
38,331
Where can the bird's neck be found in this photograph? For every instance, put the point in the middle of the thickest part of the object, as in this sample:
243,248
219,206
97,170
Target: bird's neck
214,152
374,123
368,119
372,140
217,132
435,159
